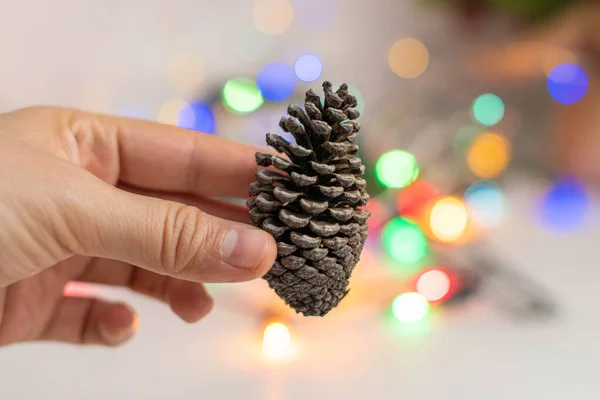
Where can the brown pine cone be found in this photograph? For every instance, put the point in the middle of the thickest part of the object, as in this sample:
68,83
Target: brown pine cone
309,202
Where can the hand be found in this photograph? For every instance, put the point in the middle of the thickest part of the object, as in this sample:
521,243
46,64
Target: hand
92,198
573,36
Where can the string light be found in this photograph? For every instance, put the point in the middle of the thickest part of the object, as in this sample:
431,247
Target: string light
277,340
396,169
488,109
408,58
410,307
414,198
185,72
276,81
435,285
308,68
567,83
565,206
448,219
404,241
242,95
486,204
203,120
273,17
489,155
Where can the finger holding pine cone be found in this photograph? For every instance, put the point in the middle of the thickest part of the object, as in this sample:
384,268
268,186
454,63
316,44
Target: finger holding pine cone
309,202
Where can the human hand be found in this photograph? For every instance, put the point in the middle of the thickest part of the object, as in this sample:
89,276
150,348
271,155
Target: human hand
117,201
572,36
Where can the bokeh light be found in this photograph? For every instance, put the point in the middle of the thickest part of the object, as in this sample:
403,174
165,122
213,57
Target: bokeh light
396,169
273,17
488,109
176,112
315,15
276,81
488,155
414,198
277,341
379,213
567,83
434,284
308,68
408,58
404,241
253,45
565,206
185,72
203,118
448,219
410,307
486,204
242,95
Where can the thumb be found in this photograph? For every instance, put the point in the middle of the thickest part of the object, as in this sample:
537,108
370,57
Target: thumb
165,237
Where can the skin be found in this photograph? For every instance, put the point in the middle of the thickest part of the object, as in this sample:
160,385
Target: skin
93,198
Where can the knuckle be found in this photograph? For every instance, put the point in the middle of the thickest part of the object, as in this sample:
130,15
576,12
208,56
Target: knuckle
186,240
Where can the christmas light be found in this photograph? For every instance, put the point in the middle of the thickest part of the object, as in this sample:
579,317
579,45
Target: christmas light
276,81
277,341
410,307
434,285
565,206
448,219
404,241
488,155
176,112
414,198
308,68
567,83
242,95
408,58
486,204
396,169
488,109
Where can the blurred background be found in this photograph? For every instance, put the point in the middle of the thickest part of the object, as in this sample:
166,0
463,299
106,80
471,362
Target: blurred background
481,137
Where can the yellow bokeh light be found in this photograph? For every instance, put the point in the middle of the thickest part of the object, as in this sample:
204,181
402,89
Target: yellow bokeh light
408,58
273,17
185,72
171,111
488,155
276,341
448,219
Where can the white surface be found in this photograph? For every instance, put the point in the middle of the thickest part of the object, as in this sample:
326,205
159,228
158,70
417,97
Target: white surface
57,52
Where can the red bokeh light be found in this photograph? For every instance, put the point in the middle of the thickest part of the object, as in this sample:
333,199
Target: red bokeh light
437,284
412,200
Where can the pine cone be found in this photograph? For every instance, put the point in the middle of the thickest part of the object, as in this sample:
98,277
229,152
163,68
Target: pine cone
309,202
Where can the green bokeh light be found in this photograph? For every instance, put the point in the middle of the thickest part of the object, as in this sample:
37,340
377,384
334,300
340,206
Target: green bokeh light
242,95
410,307
396,169
404,241
488,109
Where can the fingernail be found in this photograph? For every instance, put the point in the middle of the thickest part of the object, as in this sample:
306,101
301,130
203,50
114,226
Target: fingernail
122,324
244,248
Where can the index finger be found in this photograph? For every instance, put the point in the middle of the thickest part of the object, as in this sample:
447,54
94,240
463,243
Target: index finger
162,157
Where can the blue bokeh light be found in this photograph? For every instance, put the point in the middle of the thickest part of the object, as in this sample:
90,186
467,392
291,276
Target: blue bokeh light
197,116
276,81
485,202
308,68
565,206
567,83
